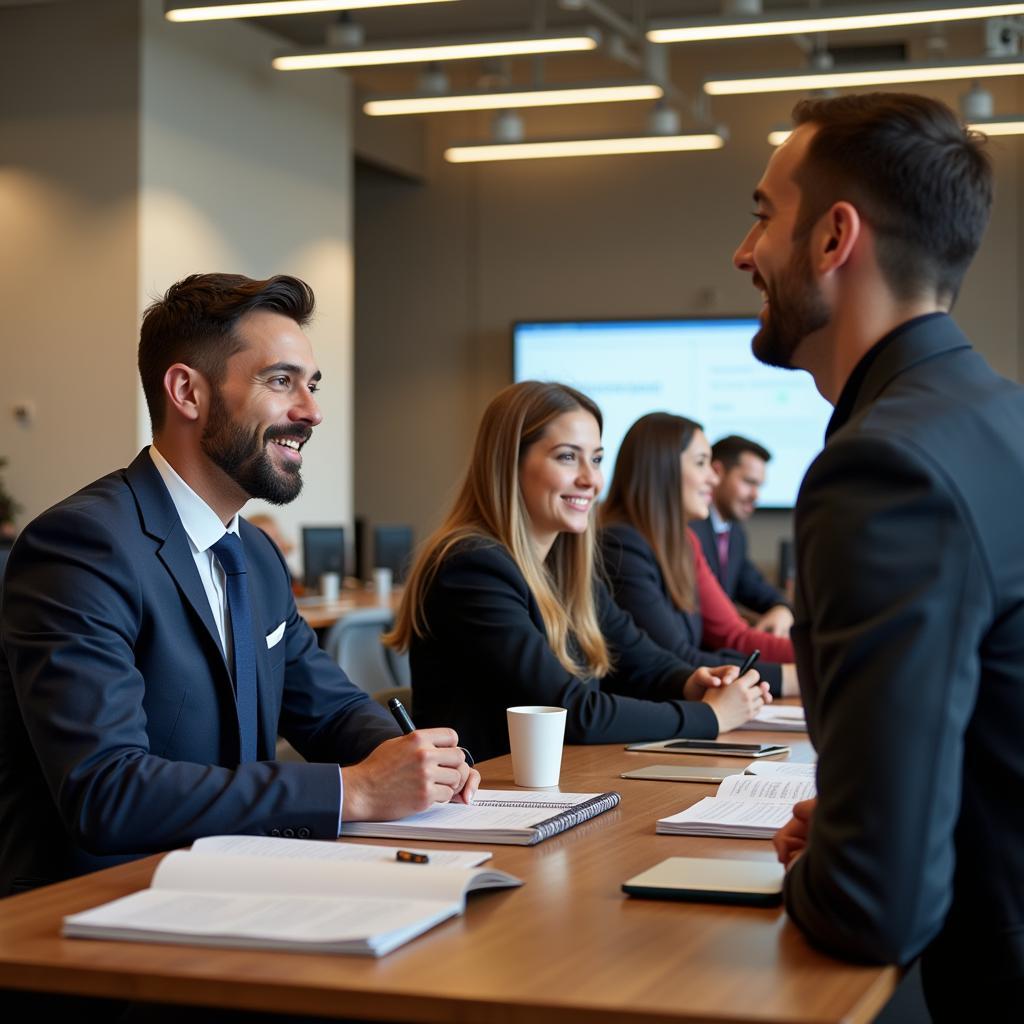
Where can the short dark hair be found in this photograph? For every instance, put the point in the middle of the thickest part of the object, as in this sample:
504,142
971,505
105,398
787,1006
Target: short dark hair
914,172
729,450
194,323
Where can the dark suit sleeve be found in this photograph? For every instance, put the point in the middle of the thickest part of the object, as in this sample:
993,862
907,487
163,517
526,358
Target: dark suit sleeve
638,588
752,589
72,617
480,602
897,597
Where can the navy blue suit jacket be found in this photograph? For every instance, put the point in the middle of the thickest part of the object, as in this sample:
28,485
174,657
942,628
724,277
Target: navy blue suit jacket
741,579
909,639
119,728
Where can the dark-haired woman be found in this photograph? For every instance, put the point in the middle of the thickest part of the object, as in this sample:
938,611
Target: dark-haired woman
654,563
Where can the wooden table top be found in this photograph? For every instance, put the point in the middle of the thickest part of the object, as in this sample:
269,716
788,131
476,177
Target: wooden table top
321,614
566,947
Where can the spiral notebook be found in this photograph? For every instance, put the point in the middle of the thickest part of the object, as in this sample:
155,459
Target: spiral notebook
512,817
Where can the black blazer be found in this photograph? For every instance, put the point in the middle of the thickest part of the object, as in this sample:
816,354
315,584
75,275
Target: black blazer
118,728
638,586
742,580
486,651
909,640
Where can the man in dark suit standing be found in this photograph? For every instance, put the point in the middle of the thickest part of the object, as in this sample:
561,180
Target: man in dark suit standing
740,464
151,648
909,629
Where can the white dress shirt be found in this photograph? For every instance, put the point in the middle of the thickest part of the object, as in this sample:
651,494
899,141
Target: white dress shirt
718,524
204,529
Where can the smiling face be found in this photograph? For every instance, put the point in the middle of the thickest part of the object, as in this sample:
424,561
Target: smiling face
264,410
738,488
560,477
777,257
699,477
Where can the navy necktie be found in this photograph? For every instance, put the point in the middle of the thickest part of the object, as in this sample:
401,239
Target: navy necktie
232,559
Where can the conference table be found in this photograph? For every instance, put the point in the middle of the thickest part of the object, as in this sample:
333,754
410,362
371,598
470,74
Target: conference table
566,947
321,613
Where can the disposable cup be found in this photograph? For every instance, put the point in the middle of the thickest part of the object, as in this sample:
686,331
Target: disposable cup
535,735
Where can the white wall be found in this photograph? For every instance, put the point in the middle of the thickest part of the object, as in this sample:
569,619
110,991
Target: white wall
247,170
68,175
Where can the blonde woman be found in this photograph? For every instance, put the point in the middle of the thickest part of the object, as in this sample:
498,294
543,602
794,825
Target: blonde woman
503,608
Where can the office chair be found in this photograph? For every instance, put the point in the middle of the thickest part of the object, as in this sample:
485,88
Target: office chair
354,643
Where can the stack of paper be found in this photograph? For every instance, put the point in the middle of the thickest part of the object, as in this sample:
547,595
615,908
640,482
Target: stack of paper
746,807
782,769
777,718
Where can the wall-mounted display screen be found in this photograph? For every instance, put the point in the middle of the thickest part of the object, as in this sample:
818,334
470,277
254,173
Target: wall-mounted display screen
703,369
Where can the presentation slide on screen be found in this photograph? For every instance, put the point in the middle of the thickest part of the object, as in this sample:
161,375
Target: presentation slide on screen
702,369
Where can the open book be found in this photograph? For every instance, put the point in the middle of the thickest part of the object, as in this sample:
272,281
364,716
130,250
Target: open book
293,894
745,807
517,817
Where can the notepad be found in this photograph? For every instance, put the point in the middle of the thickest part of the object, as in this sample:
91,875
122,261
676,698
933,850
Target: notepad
710,880
745,807
777,718
515,817
342,902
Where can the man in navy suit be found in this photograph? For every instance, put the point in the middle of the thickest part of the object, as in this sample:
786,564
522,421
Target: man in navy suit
151,648
909,630
740,464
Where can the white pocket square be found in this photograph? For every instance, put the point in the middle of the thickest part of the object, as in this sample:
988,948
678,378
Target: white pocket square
275,637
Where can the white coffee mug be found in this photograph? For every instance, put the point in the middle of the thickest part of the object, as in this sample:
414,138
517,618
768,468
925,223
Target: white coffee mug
330,586
382,584
535,734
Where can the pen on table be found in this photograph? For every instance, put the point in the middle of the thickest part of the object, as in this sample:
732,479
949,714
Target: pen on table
401,716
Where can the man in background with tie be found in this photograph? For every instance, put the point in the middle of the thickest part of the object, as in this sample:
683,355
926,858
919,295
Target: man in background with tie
740,464
150,648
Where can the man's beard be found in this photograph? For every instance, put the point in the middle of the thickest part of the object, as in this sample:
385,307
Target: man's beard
795,310
244,457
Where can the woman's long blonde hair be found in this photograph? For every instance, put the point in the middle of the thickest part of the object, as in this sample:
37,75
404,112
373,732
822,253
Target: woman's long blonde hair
490,506
647,493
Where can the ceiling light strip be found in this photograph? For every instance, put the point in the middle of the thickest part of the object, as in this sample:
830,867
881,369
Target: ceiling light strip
997,126
270,8
583,147
508,99
782,23
899,74
414,54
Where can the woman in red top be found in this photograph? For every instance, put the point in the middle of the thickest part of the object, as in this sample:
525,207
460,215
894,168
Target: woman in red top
664,478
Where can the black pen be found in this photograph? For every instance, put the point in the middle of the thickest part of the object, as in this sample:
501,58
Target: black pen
744,668
401,716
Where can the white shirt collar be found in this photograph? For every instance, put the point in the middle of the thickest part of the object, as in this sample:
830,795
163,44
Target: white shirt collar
718,524
201,523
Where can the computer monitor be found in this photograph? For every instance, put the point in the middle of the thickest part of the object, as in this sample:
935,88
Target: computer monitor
392,549
323,550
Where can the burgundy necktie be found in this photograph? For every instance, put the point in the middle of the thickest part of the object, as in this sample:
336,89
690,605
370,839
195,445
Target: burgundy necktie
723,550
